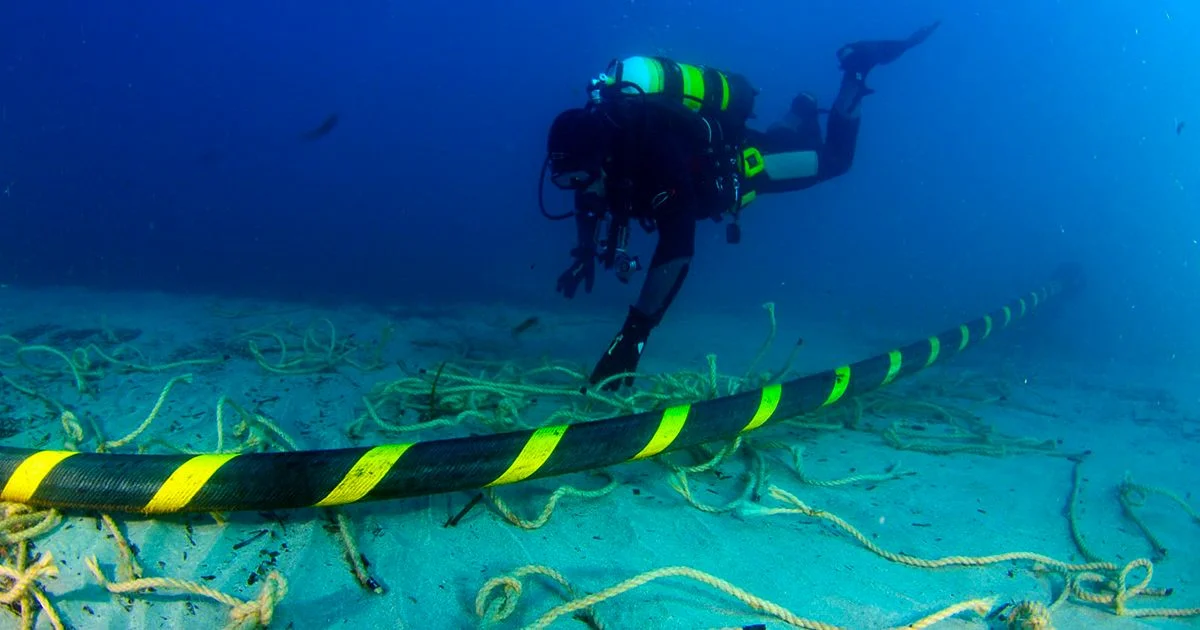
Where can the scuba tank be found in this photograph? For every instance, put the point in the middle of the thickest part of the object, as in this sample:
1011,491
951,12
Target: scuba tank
726,96
712,105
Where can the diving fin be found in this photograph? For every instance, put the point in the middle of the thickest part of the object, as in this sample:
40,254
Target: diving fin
860,57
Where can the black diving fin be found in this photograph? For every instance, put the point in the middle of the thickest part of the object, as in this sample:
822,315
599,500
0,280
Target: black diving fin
860,57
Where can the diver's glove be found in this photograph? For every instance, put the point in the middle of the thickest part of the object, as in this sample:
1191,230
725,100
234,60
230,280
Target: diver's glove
583,270
860,57
624,351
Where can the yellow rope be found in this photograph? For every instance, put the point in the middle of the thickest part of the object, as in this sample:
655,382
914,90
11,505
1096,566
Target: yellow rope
58,407
317,355
1027,615
19,522
712,462
80,383
140,367
1086,572
257,612
73,429
892,472
81,367
162,399
1133,495
354,557
679,483
1137,494
1072,514
511,516
493,607
767,343
1122,592
980,607
799,507
287,440
128,567
21,586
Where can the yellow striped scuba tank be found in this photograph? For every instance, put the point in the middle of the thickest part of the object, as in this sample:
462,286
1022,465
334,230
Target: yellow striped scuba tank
714,104
706,91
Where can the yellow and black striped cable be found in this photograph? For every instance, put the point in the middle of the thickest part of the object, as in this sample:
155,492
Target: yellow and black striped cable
166,484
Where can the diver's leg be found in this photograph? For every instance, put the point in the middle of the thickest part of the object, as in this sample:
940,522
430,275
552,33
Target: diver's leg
798,130
668,269
795,156
841,131
857,60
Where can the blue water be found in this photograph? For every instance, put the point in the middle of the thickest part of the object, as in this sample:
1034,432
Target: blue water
155,146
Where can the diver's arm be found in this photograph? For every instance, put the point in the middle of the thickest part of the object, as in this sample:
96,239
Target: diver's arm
588,205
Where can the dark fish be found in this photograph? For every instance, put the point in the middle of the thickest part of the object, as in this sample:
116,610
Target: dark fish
1179,127
525,325
321,130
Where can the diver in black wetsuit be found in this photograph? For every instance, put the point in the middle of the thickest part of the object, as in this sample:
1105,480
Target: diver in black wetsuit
666,145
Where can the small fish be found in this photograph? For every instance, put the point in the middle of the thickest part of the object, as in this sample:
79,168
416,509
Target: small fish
1179,125
253,537
321,130
525,325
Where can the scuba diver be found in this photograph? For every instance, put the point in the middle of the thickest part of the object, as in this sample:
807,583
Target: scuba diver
666,145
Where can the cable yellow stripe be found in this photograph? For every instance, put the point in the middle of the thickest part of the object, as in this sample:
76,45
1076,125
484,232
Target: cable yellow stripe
766,407
987,326
668,429
535,453
1007,316
966,337
935,348
30,473
183,484
1022,301
895,362
366,473
1035,299
841,380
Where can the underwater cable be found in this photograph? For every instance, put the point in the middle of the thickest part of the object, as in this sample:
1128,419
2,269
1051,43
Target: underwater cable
227,482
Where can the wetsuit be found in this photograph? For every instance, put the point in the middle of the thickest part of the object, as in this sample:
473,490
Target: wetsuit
664,190
651,175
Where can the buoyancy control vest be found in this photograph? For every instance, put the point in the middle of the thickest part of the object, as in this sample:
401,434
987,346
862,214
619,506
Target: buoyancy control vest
710,105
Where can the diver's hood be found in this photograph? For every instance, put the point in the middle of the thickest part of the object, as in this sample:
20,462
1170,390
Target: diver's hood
577,143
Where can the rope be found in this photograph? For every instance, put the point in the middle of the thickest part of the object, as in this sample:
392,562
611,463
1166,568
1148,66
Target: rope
492,607
22,587
257,612
969,561
980,607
